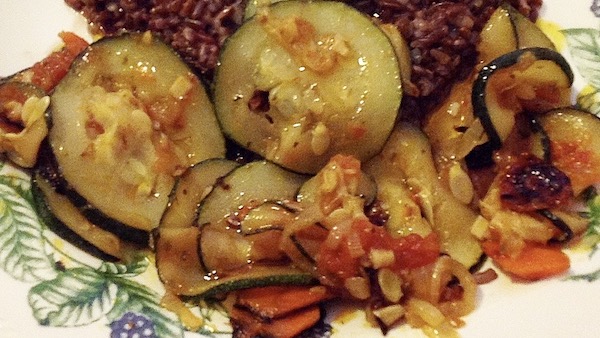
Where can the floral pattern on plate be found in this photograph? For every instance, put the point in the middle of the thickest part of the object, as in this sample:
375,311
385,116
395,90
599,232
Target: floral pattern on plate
69,289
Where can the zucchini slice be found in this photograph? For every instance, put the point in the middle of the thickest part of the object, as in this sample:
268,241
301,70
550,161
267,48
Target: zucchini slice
63,218
191,188
310,80
180,269
127,118
47,168
408,154
533,79
574,137
453,130
526,32
497,37
248,186
177,260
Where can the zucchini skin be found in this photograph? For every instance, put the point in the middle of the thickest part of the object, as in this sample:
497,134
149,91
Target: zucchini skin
48,169
61,229
566,232
482,153
221,286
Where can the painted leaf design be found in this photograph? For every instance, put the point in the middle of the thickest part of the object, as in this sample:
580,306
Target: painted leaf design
588,277
589,99
134,297
135,268
584,45
21,238
76,297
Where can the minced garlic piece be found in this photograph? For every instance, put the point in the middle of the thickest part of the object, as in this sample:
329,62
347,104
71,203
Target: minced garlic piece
118,128
321,139
299,37
358,287
180,87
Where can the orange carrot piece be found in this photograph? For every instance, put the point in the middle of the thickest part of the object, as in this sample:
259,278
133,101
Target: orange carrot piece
536,261
277,301
248,326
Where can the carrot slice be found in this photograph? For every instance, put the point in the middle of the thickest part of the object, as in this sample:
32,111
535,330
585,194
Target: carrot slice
536,261
247,325
277,301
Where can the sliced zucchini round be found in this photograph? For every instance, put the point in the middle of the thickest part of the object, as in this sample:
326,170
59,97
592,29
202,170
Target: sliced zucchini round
47,168
181,271
526,32
310,80
541,76
574,137
191,188
63,218
177,260
127,118
248,186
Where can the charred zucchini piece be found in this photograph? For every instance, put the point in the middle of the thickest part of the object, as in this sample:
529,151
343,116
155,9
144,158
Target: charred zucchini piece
125,121
530,79
574,137
191,188
310,79
248,186
64,219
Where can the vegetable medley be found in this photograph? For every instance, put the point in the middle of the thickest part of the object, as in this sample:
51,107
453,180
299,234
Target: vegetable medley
338,195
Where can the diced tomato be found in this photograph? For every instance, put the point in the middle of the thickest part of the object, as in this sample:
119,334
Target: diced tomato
48,72
410,252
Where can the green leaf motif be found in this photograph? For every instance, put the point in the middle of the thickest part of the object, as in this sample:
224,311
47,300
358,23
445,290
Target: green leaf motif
21,238
589,99
76,297
588,277
135,268
134,297
584,45
592,233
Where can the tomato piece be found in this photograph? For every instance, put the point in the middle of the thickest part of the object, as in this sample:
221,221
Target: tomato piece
410,252
48,72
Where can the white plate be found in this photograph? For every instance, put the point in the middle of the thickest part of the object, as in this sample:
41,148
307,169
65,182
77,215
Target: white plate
31,286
